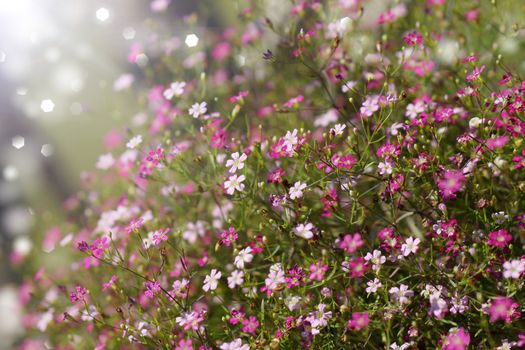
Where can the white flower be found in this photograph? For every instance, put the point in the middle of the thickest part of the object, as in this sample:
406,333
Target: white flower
198,109
176,89
290,140
376,258
235,345
234,183
338,129
236,162
134,141
338,28
275,277
304,231
385,168
373,286
293,302
349,85
296,191
244,256
413,110
369,106
401,294
105,161
410,246
513,269
211,280
235,279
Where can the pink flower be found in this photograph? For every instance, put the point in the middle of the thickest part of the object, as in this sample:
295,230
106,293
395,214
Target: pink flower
238,97
151,289
250,324
107,285
413,38
134,225
350,243
228,236
457,339
99,246
184,344
160,235
294,102
503,308
317,271
476,72
359,320
499,238
497,142
78,295
357,267
450,183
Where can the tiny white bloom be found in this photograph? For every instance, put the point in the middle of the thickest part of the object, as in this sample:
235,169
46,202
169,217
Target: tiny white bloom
235,279
244,256
385,168
410,246
198,109
304,231
176,89
296,191
105,161
211,281
373,286
513,269
234,183
134,141
338,129
236,162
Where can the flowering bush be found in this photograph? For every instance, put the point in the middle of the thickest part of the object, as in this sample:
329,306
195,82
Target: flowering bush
321,180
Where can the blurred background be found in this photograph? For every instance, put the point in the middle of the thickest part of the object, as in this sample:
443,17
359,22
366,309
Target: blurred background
66,94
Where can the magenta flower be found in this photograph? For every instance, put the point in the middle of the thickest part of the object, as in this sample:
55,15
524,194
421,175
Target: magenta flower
250,324
134,225
457,339
359,320
228,236
413,38
450,183
502,308
317,271
476,72
350,243
357,267
499,238
151,289
99,246
78,295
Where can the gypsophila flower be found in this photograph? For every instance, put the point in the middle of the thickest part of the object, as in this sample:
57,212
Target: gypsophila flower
236,344
305,231
514,268
296,191
244,256
373,286
236,162
198,109
211,281
134,141
175,89
376,259
401,294
235,279
234,183
338,129
410,246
